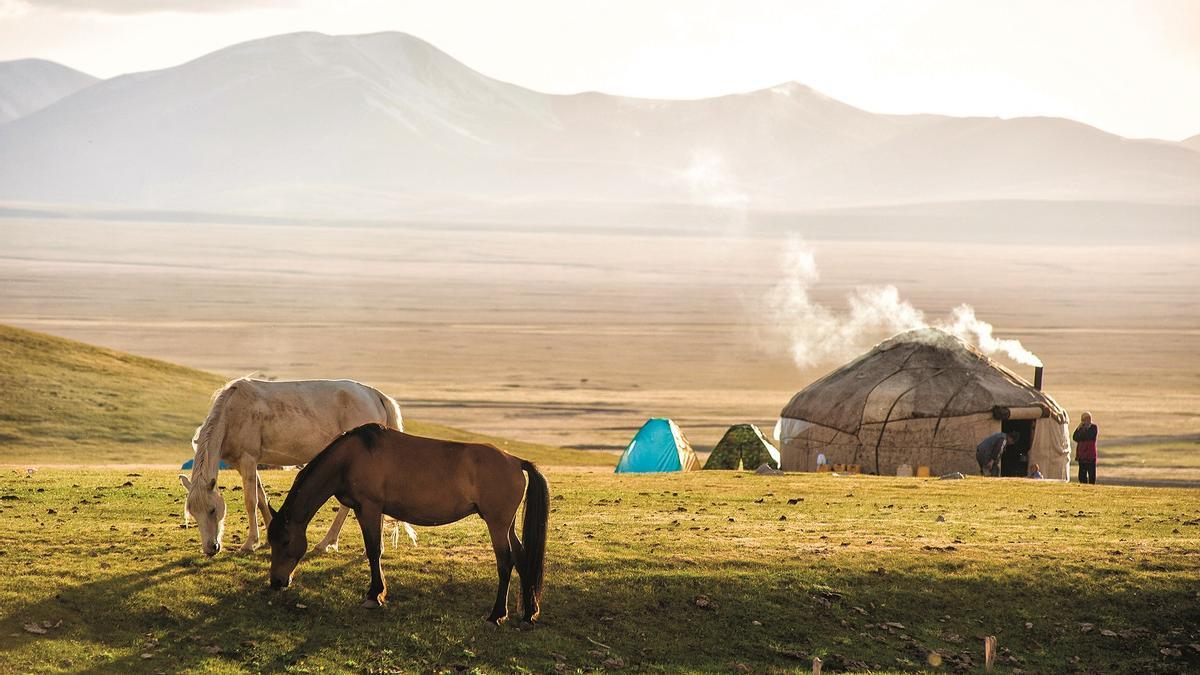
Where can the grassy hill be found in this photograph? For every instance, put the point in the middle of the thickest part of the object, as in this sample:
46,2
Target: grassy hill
712,571
67,402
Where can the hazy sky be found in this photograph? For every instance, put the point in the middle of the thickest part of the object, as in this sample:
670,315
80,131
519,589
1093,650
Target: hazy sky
1130,67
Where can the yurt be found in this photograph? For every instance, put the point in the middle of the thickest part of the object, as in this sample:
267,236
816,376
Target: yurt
658,446
743,447
923,398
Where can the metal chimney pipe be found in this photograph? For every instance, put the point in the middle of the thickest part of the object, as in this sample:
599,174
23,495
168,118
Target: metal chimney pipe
1037,378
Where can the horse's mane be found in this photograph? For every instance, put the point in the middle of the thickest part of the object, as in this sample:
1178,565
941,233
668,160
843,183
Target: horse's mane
208,459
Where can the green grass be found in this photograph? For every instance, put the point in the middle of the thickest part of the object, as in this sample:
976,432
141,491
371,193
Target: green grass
860,572
1155,460
67,402
1170,453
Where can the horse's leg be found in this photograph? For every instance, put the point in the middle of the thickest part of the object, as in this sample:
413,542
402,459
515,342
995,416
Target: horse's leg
330,542
395,534
370,519
515,546
528,600
504,567
249,472
263,504
518,551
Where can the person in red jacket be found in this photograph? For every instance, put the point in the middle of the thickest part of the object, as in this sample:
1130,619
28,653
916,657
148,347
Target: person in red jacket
1085,448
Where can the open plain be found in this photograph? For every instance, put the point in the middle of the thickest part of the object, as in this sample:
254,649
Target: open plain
572,337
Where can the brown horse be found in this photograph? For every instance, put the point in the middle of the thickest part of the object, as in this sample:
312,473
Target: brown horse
375,471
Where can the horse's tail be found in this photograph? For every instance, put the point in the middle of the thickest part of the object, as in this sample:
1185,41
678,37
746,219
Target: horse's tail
391,412
533,531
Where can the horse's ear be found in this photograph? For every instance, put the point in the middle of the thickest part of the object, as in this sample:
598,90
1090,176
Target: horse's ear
272,511
185,482
213,485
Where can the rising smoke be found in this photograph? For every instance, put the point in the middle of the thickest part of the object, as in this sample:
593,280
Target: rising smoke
818,334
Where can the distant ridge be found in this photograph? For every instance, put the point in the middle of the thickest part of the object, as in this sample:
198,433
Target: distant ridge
387,124
28,85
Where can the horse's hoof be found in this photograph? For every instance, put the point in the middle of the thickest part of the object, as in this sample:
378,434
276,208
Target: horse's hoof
328,548
248,547
372,603
495,620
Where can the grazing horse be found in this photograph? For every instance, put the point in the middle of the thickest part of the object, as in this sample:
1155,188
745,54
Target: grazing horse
254,422
375,471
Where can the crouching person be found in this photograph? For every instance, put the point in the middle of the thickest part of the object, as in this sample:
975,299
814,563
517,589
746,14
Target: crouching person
988,452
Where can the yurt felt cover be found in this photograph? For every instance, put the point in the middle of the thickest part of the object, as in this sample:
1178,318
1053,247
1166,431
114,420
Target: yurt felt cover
920,398
921,374
659,446
744,444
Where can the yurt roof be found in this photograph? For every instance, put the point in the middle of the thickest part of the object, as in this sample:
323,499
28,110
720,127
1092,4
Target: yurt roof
923,373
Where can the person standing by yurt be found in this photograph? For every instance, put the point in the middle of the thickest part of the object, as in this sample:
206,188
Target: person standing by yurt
1085,448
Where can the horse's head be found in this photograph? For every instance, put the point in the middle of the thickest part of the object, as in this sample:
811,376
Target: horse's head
289,541
206,505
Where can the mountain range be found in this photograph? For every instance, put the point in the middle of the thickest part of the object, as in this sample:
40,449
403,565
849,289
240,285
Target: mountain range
28,85
387,125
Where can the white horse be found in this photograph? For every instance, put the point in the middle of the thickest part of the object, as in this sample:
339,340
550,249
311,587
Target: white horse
254,422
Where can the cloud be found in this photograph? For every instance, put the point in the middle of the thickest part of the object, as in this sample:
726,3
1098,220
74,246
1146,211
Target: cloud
129,7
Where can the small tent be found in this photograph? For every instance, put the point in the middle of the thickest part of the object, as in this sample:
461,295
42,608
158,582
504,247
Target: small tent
659,446
923,398
743,446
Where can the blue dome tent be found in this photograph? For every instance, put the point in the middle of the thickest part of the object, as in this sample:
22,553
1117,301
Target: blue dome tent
659,446
188,464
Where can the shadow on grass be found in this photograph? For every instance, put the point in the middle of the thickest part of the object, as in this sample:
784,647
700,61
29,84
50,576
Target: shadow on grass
252,625
658,615
114,613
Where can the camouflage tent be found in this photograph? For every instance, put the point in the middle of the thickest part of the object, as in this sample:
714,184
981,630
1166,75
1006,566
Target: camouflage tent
743,446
